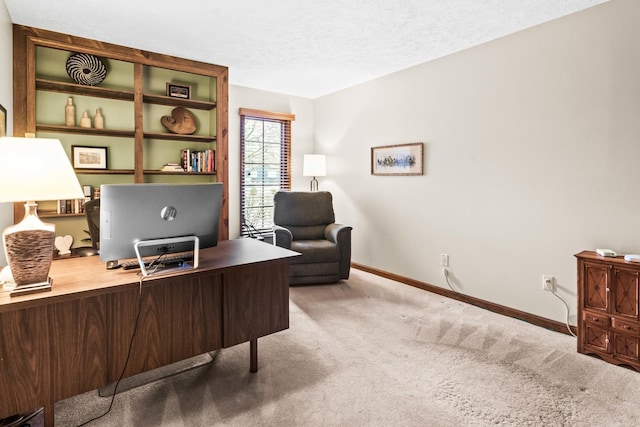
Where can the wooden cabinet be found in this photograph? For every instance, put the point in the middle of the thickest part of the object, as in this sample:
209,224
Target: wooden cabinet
608,315
132,99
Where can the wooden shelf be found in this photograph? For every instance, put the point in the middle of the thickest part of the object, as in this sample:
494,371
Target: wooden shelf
77,89
85,131
57,215
178,137
157,172
104,171
178,102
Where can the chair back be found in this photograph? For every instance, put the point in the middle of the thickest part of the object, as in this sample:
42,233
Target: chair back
92,211
304,213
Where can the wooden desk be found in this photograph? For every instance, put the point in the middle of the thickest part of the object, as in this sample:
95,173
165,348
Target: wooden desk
54,345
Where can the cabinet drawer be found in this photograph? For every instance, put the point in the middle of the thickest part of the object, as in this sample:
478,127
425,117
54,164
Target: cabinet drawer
628,327
596,319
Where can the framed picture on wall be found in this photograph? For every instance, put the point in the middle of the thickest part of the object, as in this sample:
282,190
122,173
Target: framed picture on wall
3,121
89,157
401,159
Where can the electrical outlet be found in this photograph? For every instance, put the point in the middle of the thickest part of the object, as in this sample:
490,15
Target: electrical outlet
444,260
548,283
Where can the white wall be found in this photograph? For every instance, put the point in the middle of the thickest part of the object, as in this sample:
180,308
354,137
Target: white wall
532,154
301,137
6,100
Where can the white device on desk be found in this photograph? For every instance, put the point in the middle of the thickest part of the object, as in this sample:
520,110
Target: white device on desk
606,252
632,257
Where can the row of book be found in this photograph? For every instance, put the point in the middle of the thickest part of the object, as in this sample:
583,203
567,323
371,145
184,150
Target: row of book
198,161
71,206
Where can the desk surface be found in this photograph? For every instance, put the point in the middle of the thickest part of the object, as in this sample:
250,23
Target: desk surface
88,275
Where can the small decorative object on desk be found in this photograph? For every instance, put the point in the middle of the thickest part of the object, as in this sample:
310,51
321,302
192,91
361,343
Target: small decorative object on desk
70,113
86,69
98,120
181,121
85,120
63,244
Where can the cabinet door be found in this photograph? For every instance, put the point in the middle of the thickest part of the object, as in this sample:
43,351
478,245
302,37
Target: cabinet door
596,339
596,286
625,292
625,347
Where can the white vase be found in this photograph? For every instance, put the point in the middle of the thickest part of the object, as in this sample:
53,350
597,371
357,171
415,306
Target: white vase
98,120
70,113
85,120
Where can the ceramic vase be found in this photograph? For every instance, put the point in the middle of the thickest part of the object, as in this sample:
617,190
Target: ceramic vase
70,113
98,120
85,120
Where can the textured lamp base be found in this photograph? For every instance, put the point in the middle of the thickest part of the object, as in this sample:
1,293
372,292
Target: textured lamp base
29,249
32,288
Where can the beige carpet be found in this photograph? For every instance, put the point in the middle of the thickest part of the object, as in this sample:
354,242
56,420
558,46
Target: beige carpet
372,352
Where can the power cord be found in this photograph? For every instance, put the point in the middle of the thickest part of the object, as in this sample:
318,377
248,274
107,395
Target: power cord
126,362
566,306
445,273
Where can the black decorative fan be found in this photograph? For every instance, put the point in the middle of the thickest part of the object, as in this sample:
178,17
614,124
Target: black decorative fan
86,69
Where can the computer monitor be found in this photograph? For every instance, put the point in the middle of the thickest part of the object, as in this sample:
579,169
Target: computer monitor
135,213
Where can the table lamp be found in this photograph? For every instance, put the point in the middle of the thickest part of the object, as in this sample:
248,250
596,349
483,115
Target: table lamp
314,165
33,169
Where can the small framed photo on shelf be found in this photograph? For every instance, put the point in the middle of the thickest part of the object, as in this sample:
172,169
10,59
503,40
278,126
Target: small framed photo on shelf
89,157
401,159
178,91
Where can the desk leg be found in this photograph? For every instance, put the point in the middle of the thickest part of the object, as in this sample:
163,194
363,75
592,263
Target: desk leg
253,355
49,416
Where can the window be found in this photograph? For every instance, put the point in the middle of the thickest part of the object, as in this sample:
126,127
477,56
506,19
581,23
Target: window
265,152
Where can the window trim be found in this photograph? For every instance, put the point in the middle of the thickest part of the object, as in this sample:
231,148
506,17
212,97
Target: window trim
285,160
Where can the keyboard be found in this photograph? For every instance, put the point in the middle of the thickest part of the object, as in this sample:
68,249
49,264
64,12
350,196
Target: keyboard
167,261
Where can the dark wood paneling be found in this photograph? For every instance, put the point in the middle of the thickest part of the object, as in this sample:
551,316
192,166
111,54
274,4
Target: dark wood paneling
256,302
179,319
78,332
25,365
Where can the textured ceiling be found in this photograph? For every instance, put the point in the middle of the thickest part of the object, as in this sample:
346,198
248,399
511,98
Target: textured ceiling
307,48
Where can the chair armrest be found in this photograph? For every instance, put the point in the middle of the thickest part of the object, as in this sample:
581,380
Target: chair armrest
341,236
335,232
282,237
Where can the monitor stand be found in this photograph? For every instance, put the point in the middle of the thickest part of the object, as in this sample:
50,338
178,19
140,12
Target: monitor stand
167,242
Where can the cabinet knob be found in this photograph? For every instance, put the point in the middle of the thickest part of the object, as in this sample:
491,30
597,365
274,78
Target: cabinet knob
607,289
606,340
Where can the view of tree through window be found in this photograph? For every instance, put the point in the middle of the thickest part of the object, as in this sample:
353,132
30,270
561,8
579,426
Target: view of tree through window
265,151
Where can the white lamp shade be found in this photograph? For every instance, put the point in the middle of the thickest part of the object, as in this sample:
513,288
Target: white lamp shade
36,169
314,165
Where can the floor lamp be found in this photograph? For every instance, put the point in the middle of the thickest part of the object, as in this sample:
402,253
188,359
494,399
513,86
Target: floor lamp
33,169
314,165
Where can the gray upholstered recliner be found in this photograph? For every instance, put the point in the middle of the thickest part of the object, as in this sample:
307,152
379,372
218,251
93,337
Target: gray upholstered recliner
305,223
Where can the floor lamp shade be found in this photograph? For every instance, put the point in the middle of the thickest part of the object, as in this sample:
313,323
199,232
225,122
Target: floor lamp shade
314,165
33,169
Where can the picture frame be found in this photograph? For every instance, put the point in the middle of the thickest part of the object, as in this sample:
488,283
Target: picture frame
85,157
399,159
3,121
178,91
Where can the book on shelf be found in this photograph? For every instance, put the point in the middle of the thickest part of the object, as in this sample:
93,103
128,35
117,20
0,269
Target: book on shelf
172,167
